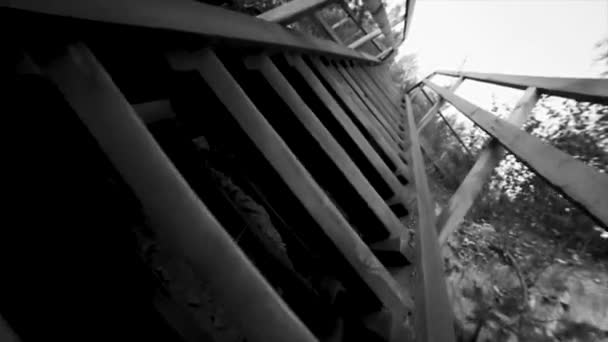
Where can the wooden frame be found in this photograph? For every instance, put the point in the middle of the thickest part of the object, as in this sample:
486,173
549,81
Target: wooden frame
581,89
292,10
175,212
462,200
209,23
328,143
297,178
433,316
581,183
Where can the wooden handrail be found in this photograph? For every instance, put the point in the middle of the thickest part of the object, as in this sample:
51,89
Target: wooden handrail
581,89
200,20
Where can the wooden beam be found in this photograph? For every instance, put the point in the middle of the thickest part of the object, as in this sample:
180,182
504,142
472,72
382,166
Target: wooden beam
581,89
328,143
209,23
433,310
411,4
291,11
174,211
581,183
154,111
400,192
297,178
462,200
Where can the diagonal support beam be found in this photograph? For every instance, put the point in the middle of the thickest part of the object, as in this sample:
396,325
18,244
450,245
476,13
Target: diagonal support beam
580,182
462,200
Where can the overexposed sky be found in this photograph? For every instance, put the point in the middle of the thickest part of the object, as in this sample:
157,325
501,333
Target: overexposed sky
529,37
534,37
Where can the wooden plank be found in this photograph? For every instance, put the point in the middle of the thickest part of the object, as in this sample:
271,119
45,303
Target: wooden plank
462,200
173,210
327,142
297,178
370,106
433,310
348,97
581,183
400,192
154,111
202,20
328,29
581,89
289,12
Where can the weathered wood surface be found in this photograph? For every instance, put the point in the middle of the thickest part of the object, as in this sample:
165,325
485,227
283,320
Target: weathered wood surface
290,11
581,183
582,89
328,143
462,200
297,178
174,211
404,196
433,309
206,21
349,98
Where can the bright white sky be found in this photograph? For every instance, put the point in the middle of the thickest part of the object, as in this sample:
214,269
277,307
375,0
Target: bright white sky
532,37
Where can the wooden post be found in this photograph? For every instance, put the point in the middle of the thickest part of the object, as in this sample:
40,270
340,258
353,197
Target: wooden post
437,106
471,186
580,182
